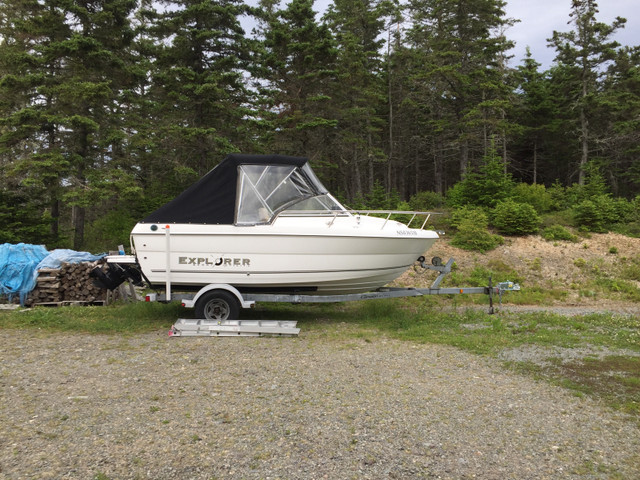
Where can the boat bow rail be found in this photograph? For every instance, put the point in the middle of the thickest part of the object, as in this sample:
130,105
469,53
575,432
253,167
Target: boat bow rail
389,213
386,214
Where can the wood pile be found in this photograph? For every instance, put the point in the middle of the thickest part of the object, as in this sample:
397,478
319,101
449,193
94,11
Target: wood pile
71,283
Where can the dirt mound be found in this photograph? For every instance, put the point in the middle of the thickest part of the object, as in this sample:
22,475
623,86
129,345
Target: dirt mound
556,265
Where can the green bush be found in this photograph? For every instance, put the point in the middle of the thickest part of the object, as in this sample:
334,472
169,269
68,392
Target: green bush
588,214
472,231
535,195
109,231
558,194
512,218
602,213
558,232
484,186
425,201
630,222
469,213
594,186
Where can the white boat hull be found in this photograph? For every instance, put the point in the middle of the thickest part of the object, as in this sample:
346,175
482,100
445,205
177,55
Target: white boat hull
341,255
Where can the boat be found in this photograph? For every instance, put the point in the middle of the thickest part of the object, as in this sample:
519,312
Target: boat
265,223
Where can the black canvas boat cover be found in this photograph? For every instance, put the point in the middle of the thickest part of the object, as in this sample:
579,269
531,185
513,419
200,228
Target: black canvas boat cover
212,199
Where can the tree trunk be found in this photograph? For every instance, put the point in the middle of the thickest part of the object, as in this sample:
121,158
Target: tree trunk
535,162
464,158
55,217
438,170
78,227
584,126
357,179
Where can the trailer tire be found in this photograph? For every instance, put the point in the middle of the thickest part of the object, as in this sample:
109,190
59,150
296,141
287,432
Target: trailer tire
217,305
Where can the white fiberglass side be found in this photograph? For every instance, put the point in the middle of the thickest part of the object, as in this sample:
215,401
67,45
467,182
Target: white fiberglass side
265,190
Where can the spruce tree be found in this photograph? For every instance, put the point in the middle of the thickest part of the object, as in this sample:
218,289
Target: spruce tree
359,93
65,128
297,59
461,50
535,115
31,153
198,91
619,119
585,50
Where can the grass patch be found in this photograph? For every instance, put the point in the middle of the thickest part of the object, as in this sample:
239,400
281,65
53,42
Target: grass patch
558,232
127,318
615,379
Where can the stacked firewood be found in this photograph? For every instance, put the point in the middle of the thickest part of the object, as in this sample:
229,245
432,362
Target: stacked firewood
69,283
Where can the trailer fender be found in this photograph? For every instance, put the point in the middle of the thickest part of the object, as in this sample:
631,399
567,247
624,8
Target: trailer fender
219,286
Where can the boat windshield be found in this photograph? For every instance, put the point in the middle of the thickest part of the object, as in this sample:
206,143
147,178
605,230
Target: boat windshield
265,190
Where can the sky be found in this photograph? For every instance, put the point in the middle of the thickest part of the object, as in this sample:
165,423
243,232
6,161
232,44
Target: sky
539,18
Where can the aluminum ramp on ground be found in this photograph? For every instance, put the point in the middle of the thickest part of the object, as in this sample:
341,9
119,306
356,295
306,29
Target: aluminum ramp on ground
232,328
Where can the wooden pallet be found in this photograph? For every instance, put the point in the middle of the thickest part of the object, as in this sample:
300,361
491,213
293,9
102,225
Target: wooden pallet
70,303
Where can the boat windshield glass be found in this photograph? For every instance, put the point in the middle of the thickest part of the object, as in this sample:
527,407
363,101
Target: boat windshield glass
321,204
265,189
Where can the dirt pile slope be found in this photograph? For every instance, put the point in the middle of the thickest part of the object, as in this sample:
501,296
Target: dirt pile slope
558,265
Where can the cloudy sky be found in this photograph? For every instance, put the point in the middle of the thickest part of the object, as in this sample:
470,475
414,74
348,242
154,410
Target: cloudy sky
539,18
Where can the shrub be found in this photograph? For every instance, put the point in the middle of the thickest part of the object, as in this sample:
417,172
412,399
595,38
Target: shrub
558,195
600,213
469,213
422,201
484,186
401,217
587,214
109,231
558,232
594,186
535,195
512,218
472,231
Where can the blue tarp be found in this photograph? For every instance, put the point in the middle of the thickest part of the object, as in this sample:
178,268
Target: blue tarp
57,257
19,266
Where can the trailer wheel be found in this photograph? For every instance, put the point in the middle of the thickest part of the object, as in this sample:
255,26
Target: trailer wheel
217,305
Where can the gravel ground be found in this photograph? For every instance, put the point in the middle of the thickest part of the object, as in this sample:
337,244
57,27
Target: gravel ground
317,406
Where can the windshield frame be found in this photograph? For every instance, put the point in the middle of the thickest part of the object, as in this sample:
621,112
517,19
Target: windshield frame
253,207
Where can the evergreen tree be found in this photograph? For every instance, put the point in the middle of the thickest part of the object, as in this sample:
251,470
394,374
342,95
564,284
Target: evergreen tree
66,120
198,92
31,154
536,115
484,186
620,116
462,53
297,59
585,50
95,75
359,92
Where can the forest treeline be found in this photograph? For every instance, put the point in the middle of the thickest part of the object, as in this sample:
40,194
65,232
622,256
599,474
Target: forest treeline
109,108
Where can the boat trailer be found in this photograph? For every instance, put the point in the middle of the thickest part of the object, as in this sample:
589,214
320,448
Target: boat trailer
217,306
